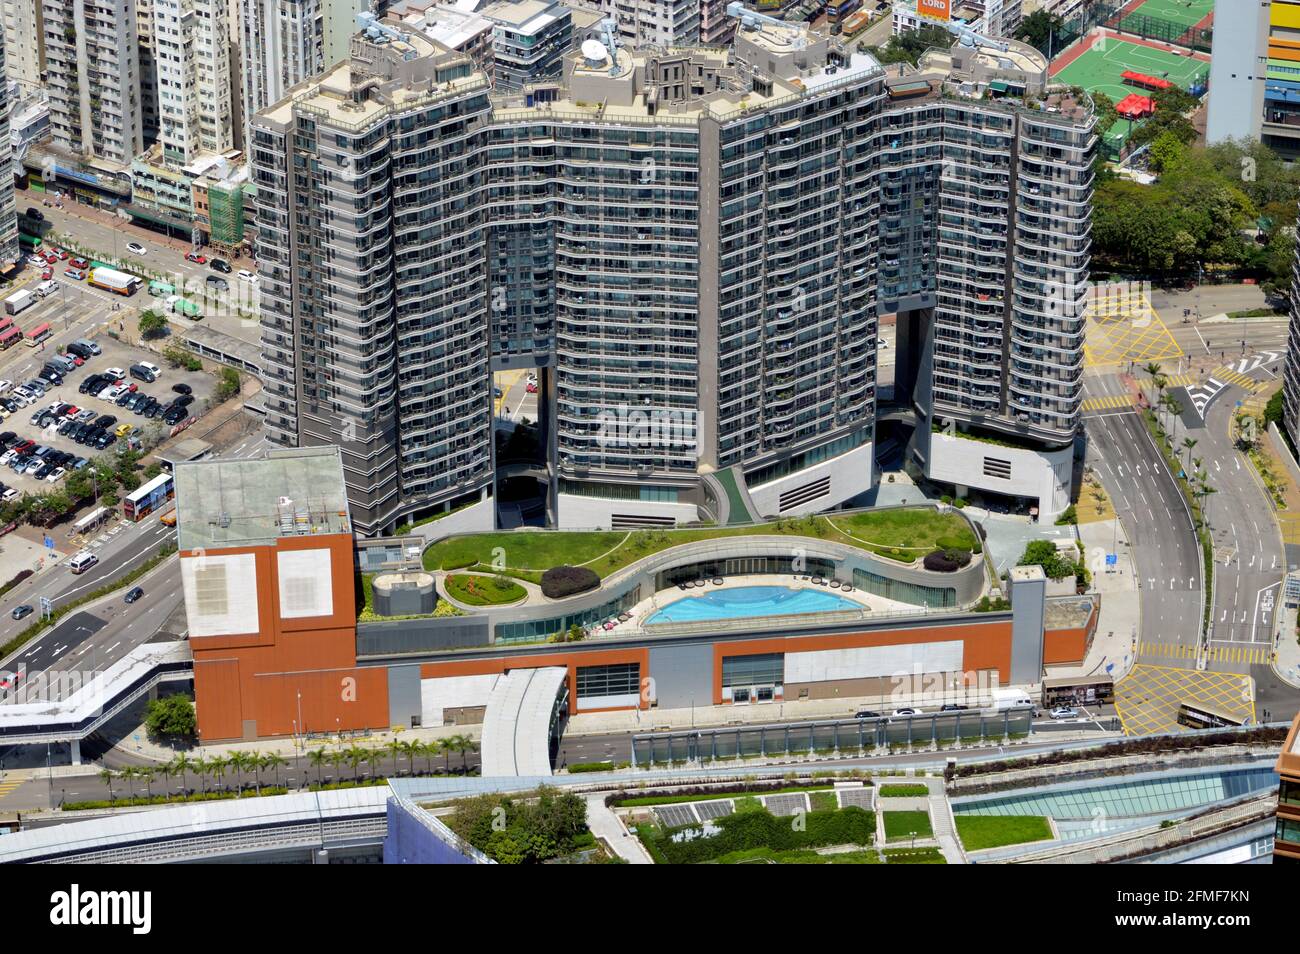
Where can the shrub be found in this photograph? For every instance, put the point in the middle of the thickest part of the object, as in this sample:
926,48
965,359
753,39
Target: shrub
1068,516
946,561
562,581
18,578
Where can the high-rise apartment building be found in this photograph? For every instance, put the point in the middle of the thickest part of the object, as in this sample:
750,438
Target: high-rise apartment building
1291,368
654,22
9,250
24,43
93,78
693,246
283,42
192,68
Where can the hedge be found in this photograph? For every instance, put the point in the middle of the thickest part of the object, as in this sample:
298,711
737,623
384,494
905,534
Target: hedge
561,581
24,574
762,829
140,800
946,561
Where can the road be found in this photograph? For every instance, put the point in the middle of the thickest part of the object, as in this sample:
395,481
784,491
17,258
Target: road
222,311
1166,556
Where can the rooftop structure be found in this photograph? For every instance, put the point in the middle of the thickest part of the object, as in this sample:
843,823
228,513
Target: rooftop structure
238,503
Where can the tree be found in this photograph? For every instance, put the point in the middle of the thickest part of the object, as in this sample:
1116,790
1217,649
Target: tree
1166,151
1188,444
228,384
318,758
395,748
171,718
217,765
464,744
106,776
907,47
152,325
1042,31
275,761
413,748
177,768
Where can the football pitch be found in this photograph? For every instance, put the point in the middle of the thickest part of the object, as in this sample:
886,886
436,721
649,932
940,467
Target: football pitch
1101,65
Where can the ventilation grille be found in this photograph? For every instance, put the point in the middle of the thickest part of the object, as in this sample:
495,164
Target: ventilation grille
211,590
801,495
995,467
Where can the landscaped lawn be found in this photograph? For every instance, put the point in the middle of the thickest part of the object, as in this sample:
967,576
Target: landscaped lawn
914,856
474,590
994,831
760,856
899,826
904,791
824,801
903,535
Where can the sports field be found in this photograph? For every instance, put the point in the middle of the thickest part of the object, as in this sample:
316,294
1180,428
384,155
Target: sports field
1101,61
1186,13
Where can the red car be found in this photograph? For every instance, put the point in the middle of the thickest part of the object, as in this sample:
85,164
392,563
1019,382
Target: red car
78,361
80,263
196,258
51,258
70,410
6,684
61,253
532,388
47,274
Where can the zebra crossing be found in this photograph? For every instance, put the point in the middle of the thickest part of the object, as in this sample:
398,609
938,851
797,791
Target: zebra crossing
1237,373
1109,402
8,788
1253,653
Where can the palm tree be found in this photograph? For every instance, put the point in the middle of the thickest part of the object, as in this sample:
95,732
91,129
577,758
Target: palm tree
464,744
412,749
199,768
217,765
1188,444
395,747
336,759
238,762
106,776
254,762
318,757
147,772
374,757
178,767
445,745
128,773
276,761
1175,408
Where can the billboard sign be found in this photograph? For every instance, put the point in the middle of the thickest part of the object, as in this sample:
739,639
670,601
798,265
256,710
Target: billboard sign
935,9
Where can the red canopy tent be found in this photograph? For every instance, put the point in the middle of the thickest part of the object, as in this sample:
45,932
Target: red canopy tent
1135,106
1146,81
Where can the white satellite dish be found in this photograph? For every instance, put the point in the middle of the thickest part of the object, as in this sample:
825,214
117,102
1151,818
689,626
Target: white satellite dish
594,51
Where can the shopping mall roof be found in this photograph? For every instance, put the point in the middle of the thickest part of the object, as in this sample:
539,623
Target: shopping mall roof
237,503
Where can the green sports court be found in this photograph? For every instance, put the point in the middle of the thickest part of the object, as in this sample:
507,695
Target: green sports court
1184,13
1101,63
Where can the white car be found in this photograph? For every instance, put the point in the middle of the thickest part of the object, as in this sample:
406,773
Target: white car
1065,712
22,397
906,712
5,386
116,373
246,276
9,495
151,368
54,476
7,456
113,393
135,248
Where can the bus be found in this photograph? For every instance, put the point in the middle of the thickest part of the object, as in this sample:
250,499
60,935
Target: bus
1078,690
93,520
29,243
147,498
10,337
1199,715
38,335
6,322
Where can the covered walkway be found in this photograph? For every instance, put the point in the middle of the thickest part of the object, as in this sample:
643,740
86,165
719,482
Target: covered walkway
523,711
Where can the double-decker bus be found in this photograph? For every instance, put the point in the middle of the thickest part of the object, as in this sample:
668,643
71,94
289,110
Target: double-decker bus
38,335
1201,715
147,498
1078,691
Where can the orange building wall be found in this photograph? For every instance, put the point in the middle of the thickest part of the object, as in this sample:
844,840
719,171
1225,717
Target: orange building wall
257,676
1066,646
984,646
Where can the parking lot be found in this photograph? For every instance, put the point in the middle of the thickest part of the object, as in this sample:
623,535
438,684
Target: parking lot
72,313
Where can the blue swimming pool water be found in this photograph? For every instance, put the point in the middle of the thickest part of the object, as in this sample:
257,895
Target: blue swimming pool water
745,601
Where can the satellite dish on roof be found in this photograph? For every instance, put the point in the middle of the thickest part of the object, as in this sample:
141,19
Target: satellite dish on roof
594,52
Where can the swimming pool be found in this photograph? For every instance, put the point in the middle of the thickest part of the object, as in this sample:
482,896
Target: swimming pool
745,601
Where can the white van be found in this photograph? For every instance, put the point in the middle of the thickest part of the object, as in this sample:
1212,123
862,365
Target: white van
48,288
82,562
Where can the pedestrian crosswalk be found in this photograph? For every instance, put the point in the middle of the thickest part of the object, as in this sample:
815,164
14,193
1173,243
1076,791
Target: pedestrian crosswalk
1179,380
9,787
1107,402
1252,653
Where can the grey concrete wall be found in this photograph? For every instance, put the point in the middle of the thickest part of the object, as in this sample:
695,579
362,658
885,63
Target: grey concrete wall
402,636
403,694
683,675
1027,612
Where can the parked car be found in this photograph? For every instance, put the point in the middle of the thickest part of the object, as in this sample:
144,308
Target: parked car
79,274
144,372
117,374
185,400
135,248
54,476
123,429
174,415
182,389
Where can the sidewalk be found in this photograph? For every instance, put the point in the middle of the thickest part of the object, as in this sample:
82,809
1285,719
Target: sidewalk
1119,621
606,825
1286,646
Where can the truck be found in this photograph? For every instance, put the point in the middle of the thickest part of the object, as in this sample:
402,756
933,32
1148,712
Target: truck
19,300
1010,698
183,306
110,279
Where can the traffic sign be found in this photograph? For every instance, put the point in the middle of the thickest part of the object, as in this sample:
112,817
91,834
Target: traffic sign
49,542
1112,559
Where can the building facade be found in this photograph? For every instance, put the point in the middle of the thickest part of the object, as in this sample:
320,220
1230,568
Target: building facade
192,66
93,78
696,267
9,250
24,43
